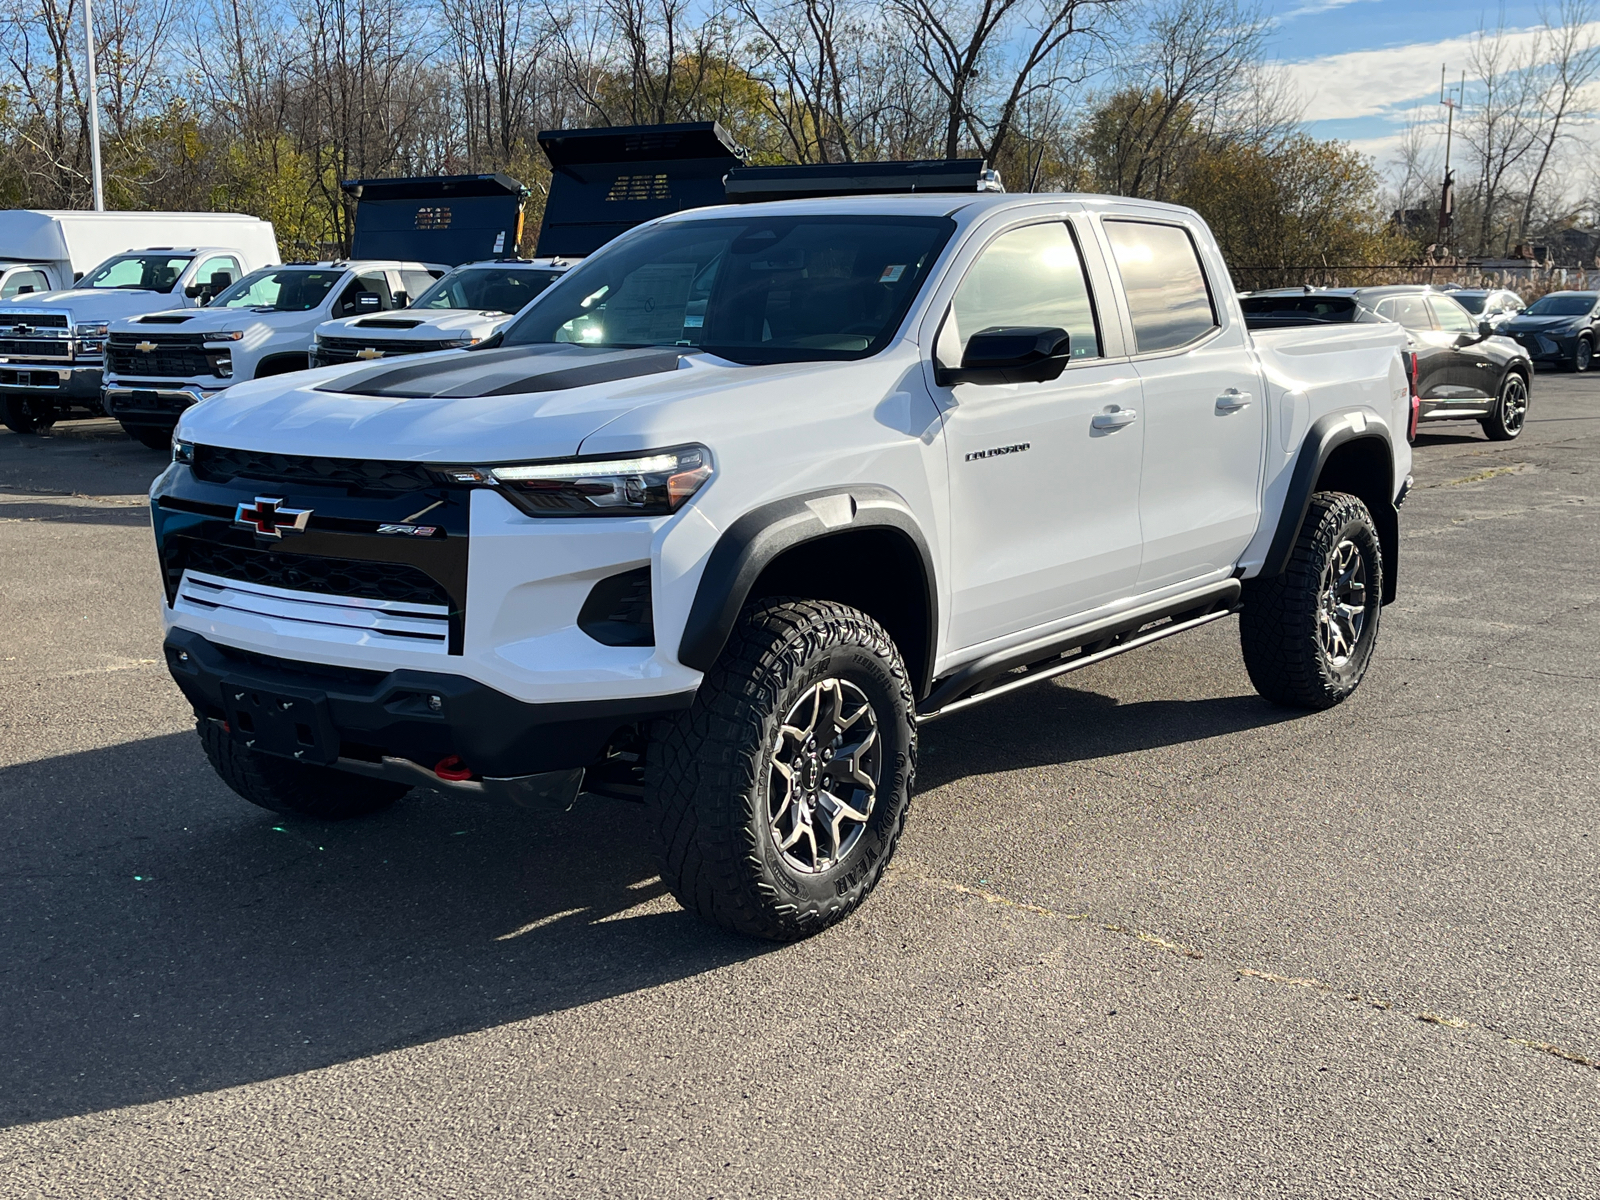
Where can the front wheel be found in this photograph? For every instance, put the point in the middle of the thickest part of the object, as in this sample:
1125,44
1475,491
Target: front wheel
1510,411
28,414
1583,353
778,797
1308,634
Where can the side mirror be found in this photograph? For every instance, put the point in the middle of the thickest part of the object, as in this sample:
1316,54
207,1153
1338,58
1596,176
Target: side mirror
195,290
1485,329
401,300
1012,354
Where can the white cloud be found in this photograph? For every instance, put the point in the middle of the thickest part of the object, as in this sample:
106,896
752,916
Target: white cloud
1370,83
1311,7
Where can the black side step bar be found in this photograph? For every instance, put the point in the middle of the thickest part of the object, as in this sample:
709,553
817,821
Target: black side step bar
1008,670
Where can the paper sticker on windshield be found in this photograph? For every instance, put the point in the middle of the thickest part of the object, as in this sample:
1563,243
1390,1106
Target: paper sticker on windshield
892,274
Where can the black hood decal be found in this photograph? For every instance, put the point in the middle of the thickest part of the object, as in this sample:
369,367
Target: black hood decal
506,371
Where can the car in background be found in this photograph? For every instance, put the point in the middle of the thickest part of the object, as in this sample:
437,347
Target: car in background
161,363
1462,369
1494,305
468,306
1559,330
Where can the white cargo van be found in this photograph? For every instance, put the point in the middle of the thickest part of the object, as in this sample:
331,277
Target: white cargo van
65,275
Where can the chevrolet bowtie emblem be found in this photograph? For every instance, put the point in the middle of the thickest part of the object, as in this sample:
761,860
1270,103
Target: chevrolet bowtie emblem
22,330
144,347
369,352
266,519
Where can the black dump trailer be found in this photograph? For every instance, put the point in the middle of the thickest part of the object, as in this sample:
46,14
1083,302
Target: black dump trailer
605,181
443,219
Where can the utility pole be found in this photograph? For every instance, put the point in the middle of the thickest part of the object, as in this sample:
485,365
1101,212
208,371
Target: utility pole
1447,193
94,109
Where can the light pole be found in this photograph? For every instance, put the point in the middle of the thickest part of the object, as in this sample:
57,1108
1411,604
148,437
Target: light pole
94,109
1447,193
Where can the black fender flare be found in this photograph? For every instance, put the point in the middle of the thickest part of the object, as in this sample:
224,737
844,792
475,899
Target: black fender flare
1325,436
758,538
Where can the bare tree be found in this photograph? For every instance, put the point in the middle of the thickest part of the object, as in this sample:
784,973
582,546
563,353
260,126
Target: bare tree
1571,62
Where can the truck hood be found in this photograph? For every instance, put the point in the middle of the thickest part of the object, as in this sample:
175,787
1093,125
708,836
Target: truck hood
457,406
1540,324
436,324
94,305
197,320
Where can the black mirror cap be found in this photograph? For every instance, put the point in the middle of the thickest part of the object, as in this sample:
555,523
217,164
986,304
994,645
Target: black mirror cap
1012,354
1486,329
195,290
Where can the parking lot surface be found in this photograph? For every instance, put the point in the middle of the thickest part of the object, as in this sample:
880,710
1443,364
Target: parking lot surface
1147,935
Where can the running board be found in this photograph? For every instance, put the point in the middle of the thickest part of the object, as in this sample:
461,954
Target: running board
1000,674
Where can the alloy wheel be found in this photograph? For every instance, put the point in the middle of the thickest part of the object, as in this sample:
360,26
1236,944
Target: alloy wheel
1583,355
1513,404
1342,606
823,777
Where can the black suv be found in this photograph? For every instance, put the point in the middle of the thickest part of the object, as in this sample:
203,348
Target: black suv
1560,329
1461,369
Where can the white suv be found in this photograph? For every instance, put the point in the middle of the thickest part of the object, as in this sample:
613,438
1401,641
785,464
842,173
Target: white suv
753,492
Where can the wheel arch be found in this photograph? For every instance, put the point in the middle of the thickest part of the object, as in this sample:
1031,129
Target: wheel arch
1342,455
859,546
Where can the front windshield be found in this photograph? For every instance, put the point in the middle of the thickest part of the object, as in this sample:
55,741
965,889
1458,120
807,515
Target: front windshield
497,289
138,272
1471,301
1571,305
282,289
752,290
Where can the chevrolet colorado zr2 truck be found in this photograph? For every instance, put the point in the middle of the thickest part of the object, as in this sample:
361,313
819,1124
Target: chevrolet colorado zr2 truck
749,494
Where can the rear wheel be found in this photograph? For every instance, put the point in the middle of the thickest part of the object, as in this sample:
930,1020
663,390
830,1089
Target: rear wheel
1308,634
294,788
28,414
1510,411
778,797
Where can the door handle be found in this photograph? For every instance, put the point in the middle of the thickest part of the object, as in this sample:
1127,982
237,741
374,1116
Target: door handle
1114,419
1232,400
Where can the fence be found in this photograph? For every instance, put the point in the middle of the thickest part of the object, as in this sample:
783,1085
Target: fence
1527,280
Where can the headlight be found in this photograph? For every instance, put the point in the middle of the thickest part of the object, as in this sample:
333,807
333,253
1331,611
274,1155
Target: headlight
461,343
233,335
654,483
89,331
182,452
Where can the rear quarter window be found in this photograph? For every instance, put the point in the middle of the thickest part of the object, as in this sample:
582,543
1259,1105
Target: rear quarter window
1168,297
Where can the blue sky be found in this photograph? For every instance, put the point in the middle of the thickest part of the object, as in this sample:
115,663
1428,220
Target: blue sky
1363,66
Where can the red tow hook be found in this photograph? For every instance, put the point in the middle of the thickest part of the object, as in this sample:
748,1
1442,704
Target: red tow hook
452,769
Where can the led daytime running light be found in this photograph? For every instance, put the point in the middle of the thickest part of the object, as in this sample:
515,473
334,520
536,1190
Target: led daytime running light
655,464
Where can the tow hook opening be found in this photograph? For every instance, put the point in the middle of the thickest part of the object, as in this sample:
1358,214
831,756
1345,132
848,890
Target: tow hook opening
452,769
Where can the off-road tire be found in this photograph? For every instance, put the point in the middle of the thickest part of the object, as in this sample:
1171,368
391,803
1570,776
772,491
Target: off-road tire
26,414
1280,627
294,788
709,774
153,436
1510,412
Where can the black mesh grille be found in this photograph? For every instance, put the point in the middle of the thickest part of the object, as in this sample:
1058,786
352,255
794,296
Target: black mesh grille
306,572
145,401
14,347
175,355
217,464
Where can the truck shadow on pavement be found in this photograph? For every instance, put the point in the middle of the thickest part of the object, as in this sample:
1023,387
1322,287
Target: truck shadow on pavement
161,937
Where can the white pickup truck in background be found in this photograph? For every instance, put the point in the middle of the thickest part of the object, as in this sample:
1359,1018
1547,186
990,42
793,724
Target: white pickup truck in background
751,493
160,363
468,306
67,276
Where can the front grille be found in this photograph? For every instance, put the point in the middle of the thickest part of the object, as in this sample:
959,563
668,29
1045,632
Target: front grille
338,616
395,582
343,350
218,464
52,348
37,320
176,355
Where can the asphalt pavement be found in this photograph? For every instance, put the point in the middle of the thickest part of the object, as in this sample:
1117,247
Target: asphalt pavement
1147,935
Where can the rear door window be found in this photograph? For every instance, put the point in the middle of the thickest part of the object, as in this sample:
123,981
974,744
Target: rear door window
1168,298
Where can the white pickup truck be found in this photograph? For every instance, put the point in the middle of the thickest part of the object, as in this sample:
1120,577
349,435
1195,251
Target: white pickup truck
52,338
468,306
753,492
160,363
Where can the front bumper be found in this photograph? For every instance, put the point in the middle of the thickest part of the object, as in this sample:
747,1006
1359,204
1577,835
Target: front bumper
364,721
156,404
69,384
1548,348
